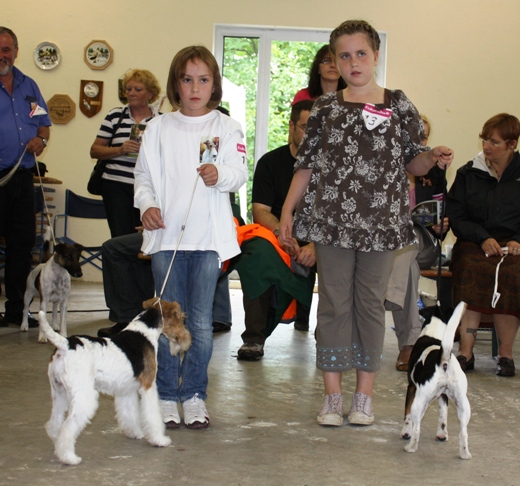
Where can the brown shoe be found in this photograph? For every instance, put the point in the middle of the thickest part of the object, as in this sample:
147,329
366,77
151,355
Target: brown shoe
402,360
505,367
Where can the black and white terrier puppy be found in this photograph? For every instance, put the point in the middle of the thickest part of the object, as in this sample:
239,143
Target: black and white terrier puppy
52,281
435,373
124,367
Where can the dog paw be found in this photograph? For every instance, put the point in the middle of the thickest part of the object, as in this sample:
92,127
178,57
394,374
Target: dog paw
24,327
70,459
410,448
42,339
163,441
465,454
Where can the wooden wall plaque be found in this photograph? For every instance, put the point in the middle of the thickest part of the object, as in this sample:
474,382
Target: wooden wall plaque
62,109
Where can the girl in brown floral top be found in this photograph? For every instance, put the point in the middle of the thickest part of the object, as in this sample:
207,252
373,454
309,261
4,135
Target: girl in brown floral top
350,193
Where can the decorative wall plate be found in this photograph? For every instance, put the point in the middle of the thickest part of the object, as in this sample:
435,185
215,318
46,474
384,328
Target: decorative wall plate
90,97
98,54
62,109
47,55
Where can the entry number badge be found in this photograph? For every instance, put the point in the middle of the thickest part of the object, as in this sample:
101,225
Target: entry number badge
374,117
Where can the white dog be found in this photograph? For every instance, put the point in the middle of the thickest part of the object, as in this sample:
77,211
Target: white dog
52,281
124,367
435,373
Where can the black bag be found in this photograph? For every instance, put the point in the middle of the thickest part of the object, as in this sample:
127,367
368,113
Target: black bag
96,178
95,181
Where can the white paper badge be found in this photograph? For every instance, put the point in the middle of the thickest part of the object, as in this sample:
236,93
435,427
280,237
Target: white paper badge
37,110
374,117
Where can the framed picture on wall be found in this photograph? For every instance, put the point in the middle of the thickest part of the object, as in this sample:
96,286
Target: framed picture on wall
98,54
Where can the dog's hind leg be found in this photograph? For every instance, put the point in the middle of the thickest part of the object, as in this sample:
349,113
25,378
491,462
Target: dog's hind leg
60,405
30,292
442,426
83,407
464,414
406,432
151,417
417,412
128,414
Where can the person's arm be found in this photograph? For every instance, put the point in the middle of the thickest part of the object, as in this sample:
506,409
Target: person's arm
423,162
101,151
36,145
262,215
299,183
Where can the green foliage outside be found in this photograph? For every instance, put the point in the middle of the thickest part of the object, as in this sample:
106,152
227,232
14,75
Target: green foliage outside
290,64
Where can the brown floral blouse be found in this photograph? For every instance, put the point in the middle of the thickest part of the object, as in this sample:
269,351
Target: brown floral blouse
357,196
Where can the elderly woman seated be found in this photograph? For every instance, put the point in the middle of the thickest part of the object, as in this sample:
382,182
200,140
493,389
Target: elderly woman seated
483,206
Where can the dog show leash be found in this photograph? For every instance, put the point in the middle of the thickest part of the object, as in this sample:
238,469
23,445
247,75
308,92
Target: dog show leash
183,227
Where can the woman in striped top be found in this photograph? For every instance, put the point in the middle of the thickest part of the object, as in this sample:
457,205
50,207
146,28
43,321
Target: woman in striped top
118,142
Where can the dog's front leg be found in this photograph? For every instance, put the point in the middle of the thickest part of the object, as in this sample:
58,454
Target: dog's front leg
42,338
151,416
55,324
63,317
27,299
442,426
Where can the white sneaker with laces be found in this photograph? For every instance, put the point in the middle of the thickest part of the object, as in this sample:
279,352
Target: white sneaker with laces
195,413
170,414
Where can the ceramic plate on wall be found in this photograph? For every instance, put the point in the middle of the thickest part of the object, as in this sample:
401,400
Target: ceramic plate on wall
47,55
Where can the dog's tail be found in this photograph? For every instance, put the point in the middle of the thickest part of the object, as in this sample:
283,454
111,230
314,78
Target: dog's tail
57,339
46,252
451,328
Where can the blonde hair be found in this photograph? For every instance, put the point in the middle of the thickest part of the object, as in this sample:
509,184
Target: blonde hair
147,78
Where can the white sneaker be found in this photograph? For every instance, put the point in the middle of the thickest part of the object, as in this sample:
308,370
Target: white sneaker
195,413
170,414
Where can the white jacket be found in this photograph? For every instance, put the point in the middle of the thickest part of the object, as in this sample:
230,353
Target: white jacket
232,174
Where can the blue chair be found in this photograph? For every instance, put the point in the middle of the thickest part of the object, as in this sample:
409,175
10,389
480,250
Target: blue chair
81,207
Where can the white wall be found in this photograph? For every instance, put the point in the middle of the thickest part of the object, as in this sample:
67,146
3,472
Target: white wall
456,59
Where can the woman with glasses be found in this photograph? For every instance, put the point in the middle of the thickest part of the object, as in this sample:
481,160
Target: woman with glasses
483,206
323,77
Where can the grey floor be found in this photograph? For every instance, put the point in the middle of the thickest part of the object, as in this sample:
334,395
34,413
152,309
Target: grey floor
263,421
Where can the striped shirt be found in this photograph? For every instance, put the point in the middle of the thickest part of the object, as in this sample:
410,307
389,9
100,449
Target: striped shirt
121,168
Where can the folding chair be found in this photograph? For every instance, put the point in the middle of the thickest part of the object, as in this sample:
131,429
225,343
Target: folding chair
81,207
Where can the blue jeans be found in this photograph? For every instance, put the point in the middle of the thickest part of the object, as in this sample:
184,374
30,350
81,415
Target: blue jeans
222,302
192,284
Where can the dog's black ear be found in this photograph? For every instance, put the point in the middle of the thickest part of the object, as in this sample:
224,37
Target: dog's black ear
78,247
60,249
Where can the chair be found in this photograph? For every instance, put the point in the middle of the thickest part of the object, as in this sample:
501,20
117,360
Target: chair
81,207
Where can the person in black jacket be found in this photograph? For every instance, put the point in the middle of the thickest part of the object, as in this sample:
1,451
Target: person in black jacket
484,211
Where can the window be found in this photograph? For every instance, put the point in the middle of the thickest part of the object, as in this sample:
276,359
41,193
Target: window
263,68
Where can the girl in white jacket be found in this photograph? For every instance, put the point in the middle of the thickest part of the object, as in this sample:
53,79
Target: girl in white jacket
170,161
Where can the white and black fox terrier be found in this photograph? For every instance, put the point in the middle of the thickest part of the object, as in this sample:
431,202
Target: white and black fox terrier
435,373
52,281
124,367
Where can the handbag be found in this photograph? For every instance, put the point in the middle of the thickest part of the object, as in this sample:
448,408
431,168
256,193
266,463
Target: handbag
95,181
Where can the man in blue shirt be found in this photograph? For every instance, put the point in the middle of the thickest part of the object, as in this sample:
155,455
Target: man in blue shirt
24,130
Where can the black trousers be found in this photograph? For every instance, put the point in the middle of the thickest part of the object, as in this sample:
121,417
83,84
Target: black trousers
18,227
118,198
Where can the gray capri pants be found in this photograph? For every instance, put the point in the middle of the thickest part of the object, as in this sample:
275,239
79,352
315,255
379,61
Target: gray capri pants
351,314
